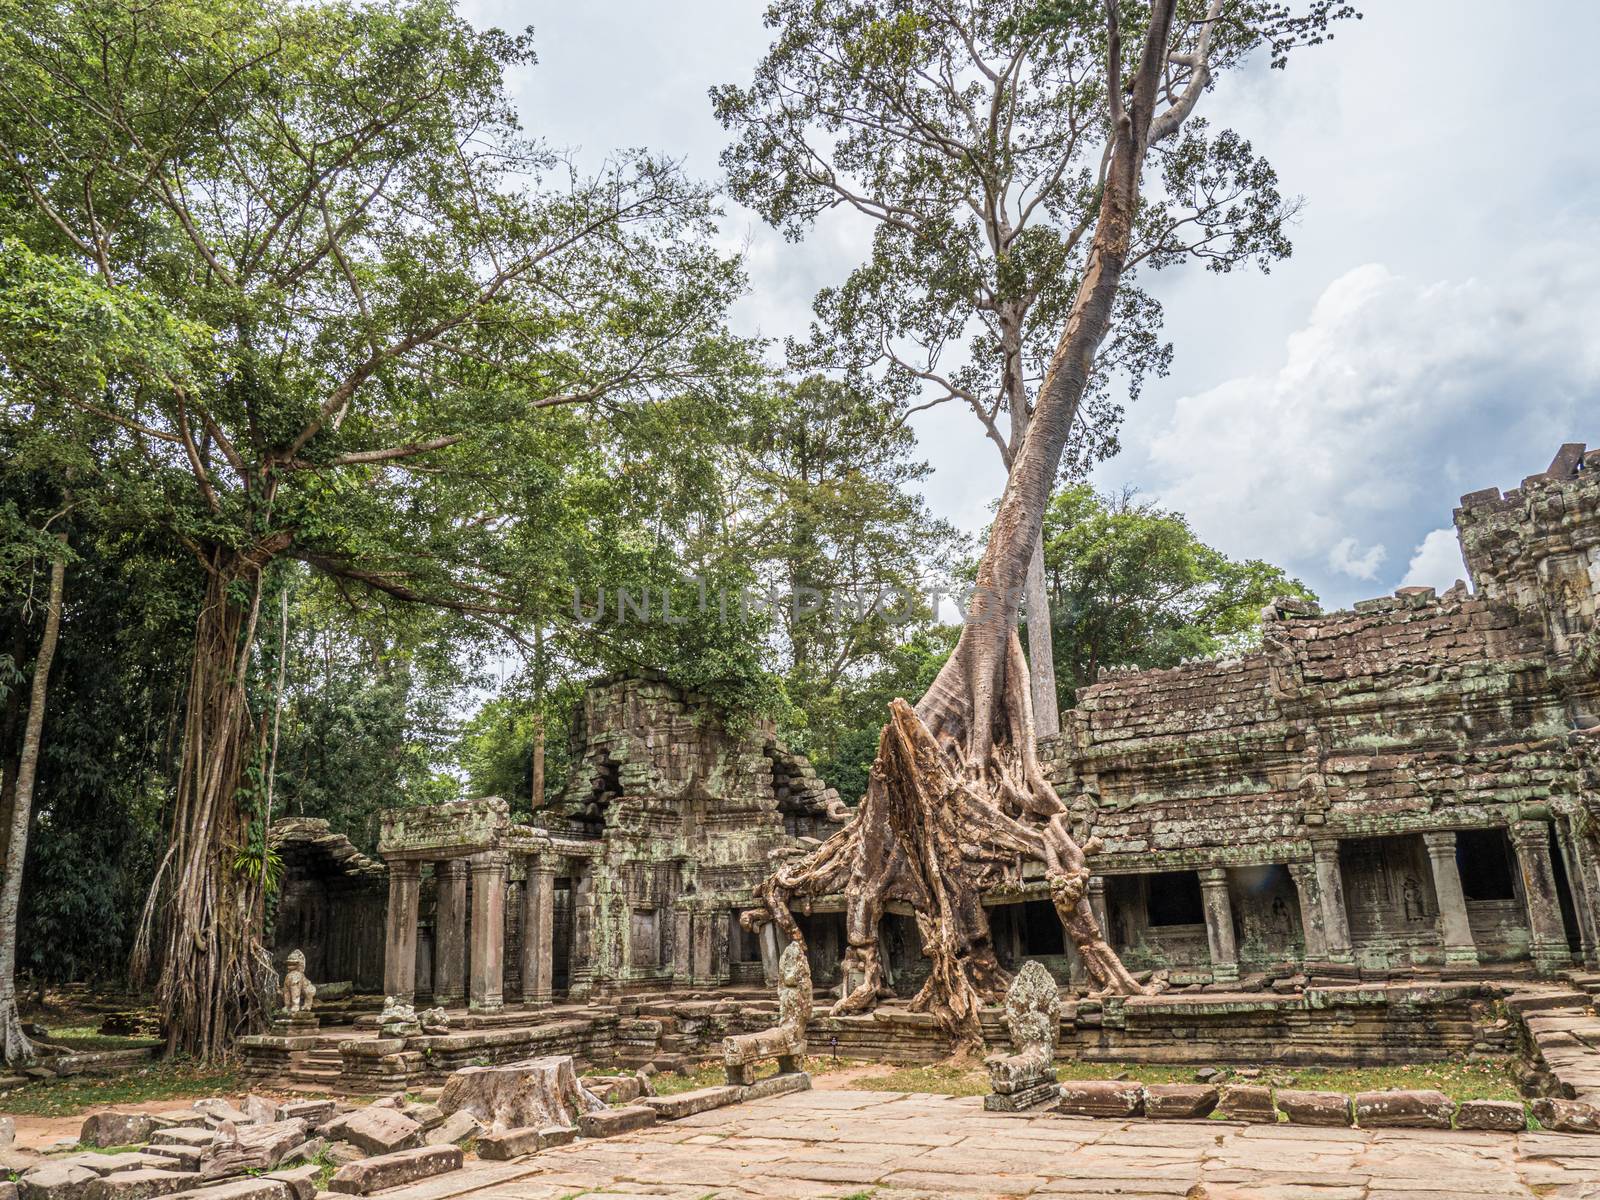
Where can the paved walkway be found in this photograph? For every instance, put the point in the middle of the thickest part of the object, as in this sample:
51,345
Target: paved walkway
893,1146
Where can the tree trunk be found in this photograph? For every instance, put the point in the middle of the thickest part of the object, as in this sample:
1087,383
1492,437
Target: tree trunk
1041,647
16,1047
956,799
201,918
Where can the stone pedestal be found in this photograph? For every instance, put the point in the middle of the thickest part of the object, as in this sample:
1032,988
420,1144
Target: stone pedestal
400,941
1219,925
1459,948
1311,920
450,933
300,1024
1330,888
486,993
538,932
1547,932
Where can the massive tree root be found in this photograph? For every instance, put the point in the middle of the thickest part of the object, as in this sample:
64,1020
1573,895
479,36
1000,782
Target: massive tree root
955,805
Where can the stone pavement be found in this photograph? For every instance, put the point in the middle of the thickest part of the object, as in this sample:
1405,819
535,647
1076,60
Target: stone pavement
893,1146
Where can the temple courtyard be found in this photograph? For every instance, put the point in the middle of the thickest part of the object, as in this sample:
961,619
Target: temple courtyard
850,1145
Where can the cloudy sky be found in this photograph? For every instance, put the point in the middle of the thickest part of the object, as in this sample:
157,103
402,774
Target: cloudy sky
1437,330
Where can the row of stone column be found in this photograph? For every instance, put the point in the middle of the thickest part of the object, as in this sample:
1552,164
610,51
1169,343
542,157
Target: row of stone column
483,929
1325,924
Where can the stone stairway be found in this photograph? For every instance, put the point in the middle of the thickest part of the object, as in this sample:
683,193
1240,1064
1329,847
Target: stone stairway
314,1070
1563,1032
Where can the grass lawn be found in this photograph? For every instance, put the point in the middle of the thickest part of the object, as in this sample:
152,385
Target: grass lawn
1458,1078
82,1093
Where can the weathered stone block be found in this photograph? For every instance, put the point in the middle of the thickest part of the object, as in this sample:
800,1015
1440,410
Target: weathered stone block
116,1129
1247,1102
394,1170
458,1127
312,1112
142,1184
514,1143
8,1132
377,1130
1567,1116
1404,1110
302,1181
1314,1108
1505,1115
612,1121
1179,1101
1021,1101
686,1104
259,1187
183,1135
777,1085
1101,1098
52,1182
179,1158
536,1092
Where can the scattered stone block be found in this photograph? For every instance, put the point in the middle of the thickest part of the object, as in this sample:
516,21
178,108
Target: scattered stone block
302,1181
187,1158
142,1184
116,1129
312,1112
429,1116
1247,1102
1101,1098
237,1150
777,1085
1404,1110
341,1153
178,1118
54,1182
183,1135
8,1190
686,1104
377,1130
257,1187
514,1143
8,1132
259,1110
609,1122
1179,1101
458,1127
1021,1101
1508,1116
217,1110
394,1170
1567,1116
1314,1108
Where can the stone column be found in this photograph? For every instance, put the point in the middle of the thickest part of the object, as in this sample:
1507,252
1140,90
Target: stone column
769,953
400,940
1219,925
487,993
1546,929
1097,904
538,932
450,933
1459,948
1330,887
1583,895
1311,927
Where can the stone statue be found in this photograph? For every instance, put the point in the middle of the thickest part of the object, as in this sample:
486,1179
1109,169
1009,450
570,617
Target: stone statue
1027,1077
434,1021
785,1041
1412,899
298,993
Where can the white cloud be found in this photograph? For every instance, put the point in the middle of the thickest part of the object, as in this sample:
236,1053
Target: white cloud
1394,398
1364,564
1437,563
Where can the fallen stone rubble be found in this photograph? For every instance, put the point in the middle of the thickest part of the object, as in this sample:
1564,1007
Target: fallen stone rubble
264,1149
1390,1109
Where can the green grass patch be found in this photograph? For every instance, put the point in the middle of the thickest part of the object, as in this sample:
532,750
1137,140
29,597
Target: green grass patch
88,1038
1458,1078
174,1080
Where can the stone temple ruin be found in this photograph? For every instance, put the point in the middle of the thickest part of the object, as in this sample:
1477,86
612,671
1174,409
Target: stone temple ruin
1338,847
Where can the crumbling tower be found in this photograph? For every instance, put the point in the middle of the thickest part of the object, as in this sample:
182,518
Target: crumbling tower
1537,547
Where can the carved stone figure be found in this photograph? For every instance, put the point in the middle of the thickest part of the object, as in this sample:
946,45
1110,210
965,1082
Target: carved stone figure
298,993
434,1021
397,1019
1027,1077
1411,892
785,1041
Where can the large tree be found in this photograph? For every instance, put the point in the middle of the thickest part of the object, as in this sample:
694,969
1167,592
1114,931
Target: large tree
972,133
382,288
957,796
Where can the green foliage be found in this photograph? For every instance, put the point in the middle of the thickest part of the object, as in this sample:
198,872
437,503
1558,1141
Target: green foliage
1130,585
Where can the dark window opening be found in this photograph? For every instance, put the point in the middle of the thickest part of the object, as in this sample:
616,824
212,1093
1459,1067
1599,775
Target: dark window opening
1174,899
1041,929
1483,856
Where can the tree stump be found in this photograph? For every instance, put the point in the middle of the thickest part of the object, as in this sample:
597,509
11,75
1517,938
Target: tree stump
537,1092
